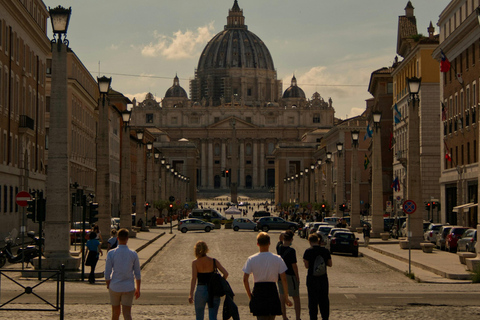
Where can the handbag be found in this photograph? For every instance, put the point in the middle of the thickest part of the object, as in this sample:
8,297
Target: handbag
215,286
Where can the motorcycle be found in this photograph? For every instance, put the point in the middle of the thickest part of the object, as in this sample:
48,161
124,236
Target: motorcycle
23,255
34,244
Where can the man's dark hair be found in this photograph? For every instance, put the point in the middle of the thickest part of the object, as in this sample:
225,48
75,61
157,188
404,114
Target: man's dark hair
263,239
122,234
313,238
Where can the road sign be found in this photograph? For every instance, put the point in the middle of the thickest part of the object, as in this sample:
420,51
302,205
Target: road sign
409,206
399,198
178,202
22,197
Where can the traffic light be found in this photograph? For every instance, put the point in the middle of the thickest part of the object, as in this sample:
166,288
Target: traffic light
323,207
42,203
170,206
32,209
427,206
93,212
342,207
147,206
434,204
226,173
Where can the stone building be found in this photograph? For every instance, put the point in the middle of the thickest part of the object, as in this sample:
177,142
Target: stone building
458,135
24,48
235,97
416,51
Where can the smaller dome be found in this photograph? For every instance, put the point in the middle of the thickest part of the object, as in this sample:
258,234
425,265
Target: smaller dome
294,91
176,91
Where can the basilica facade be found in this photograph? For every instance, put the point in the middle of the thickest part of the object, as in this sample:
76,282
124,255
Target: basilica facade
236,116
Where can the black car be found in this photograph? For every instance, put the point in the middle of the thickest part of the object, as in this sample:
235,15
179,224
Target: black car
345,242
275,223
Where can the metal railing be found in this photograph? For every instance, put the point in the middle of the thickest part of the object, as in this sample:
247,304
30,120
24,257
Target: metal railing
58,305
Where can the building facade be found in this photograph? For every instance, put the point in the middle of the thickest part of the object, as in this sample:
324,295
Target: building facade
24,48
459,34
235,97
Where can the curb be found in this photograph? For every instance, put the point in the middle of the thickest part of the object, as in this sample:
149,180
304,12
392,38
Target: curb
156,252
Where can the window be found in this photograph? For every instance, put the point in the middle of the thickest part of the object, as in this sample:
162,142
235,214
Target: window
249,119
316,118
217,149
149,118
216,119
290,120
248,149
249,92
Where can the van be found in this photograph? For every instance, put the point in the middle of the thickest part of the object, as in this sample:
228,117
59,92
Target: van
207,214
259,214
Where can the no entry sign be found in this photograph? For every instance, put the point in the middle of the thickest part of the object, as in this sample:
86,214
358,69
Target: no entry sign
22,197
409,206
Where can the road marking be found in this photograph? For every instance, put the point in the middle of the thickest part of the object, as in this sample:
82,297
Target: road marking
350,296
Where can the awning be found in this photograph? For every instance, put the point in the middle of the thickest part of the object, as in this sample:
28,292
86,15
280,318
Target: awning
464,206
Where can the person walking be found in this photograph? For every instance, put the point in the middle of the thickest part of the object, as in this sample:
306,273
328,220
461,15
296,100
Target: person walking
317,285
203,268
289,255
112,243
264,300
122,276
92,253
366,234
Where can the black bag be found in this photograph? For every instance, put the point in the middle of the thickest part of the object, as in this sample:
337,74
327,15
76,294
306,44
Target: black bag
215,287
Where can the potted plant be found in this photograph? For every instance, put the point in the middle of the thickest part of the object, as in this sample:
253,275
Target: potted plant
217,224
228,224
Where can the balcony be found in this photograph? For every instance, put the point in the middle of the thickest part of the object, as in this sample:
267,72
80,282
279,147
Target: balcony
26,125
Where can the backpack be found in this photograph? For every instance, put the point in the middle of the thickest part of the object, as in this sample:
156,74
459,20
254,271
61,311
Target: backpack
319,267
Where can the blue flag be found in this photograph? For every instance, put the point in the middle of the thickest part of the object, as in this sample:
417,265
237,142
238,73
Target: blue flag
398,115
369,133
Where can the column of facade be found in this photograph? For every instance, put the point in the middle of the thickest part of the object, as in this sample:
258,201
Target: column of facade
355,190
328,187
223,164
163,185
203,163
255,165
377,185
150,185
126,182
140,198
210,164
262,164
242,164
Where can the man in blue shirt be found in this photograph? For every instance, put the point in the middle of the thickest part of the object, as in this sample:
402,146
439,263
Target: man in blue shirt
122,270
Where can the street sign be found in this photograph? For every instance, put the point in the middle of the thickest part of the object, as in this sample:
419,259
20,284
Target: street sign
409,206
22,197
178,202
399,198
186,206
171,198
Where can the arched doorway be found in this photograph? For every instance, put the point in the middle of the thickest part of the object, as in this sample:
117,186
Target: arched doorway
248,182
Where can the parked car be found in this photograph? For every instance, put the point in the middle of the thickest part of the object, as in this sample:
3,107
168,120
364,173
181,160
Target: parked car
343,241
303,231
324,229
315,225
194,224
334,230
442,235
331,220
275,223
431,234
467,242
244,223
452,238
259,214
115,223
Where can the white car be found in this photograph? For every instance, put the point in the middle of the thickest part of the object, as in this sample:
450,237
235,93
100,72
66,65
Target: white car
194,224
432,231
244,223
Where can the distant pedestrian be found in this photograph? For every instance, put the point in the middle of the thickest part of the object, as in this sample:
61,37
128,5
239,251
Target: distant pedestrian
92,253
96,229
122,272
203,268
317,282
289,255
264,300
366,234
113,241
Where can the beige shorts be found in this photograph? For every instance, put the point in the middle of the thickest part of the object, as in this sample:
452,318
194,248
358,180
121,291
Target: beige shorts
293,289
123,298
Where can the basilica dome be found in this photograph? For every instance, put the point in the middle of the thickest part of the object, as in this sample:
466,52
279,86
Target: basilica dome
294,91
235,47
176,91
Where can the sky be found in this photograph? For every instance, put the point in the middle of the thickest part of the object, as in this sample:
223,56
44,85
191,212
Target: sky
331,46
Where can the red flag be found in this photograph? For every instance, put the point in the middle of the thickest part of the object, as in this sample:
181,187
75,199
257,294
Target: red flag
447,156
444,112
444,64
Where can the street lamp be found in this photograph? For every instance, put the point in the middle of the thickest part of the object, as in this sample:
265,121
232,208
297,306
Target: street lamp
329,157
414,84
60,18
355,183
377,117
139,135
126,116
355,135
339,148
162,161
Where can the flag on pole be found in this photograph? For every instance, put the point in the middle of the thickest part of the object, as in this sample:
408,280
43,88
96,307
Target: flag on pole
392,141
395,184
366,162
369,133
444,64
398,115
448,156
444,112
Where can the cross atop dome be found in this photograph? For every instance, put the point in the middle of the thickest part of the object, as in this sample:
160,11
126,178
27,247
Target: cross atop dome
235,17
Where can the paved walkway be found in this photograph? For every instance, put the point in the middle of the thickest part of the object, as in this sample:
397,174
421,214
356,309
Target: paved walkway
436,267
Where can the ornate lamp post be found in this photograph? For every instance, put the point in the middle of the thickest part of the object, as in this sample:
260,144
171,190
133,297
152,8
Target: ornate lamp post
340,175
414,174
320,188
328,192
126,175
377,184
312,183
140,190
57,226
355,184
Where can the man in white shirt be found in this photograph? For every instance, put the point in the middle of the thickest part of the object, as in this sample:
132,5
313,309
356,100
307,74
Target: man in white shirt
265,267
122,270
